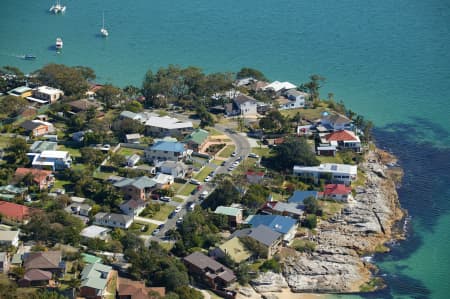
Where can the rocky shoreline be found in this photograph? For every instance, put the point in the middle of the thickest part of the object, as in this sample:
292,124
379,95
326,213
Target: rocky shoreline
363,227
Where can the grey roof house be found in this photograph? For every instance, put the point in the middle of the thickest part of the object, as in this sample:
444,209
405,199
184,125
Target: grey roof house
113,220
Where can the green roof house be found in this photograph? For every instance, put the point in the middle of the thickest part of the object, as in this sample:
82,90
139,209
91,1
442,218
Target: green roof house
196,140
90,259
94,280
234,214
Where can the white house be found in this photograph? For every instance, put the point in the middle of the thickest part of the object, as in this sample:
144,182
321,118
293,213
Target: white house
46,94
166,151
343,140
340,173
133,138
113,220
278,86
132,160
133,207
335,122
95,232
162,179
173,168
245,105
294,99
9,237
56,160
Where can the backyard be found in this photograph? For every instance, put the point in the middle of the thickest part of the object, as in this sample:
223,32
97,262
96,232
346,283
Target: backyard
227,151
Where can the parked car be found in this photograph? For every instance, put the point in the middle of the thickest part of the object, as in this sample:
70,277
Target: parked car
208,178
233,154
253,155
155,232
191,206
171,215
160,226
223,163
165,198
194,182
179,221
177,209
203,195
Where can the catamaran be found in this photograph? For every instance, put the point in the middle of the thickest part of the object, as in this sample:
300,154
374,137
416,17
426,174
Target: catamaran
103,31
57,8
59,43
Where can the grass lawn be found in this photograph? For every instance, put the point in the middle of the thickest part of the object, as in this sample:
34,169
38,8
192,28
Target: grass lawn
79,166
310,114
330,208
214,132
74,152
217,162
136,228
164,212
178,199
227,151
60,184
166,245
360,179
176,187
187,189
112,285
330,159
263,151
103,175
129,151
203,173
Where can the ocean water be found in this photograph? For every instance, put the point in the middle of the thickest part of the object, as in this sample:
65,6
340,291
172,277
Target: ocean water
387,59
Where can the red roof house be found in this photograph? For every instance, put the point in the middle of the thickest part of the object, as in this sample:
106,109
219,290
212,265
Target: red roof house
43,178
14,212
343,140
337,191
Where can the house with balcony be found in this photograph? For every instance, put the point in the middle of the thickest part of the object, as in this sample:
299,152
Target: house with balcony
46,95
44,179
196,140
342,140
94,280
136,188
292,99
54,160
166,151
338,192
244,105
333,173
335,122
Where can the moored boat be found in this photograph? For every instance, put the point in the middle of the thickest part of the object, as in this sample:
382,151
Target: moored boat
59,43
29,57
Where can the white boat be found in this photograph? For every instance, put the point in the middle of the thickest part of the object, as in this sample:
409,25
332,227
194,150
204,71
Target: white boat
103,31
59,43
57,8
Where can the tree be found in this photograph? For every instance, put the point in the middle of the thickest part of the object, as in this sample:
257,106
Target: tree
243,274
92,156
312,206
293,151
314,85
186,292
224,195
133,106
69,79
206,118
271,265
247,72
12,105
109,95
17,151
274,121
310,221
255,196
127,126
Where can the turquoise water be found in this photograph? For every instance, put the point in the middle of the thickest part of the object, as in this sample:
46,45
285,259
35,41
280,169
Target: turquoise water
387,59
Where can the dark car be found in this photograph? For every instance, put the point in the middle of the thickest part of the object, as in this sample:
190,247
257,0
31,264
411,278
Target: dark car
160,226
171,215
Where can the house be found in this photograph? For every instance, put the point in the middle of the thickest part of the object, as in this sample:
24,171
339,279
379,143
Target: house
146,168
234,214
196,140
136,188
79,136
343,139
133,207
9,192
293,99
90,259
335,173
46,95
209,271
160,126
83,105
339,192
162,180
278,87
131,289
300,195
14,213
44,179
335,122
234,248
95,232
94,280
4,262
55,160
326,150
40,146
164,150
45,260
130,115
244,105
265,236
284,225
113,220
133,138
37,127
77,208
293,210
35,278
254,177
132,160
21,91
9,237
173,168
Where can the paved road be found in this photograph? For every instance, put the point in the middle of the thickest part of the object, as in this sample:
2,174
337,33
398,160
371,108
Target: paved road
242,150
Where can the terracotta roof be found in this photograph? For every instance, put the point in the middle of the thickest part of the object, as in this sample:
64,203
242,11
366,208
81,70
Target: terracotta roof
343,135
259,173
338,189
43,260
38,174
137,289
14,211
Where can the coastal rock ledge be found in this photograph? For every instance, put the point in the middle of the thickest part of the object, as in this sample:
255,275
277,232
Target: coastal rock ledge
362,227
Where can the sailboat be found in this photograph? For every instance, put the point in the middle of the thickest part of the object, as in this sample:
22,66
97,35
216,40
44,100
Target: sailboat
57,8
103,31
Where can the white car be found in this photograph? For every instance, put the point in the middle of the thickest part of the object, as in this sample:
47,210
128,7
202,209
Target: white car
194,182
233,154
208,178
204,194
177,209
165,198
236,163
253,155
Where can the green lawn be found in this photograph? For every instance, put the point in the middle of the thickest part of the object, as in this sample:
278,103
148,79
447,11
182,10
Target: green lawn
217,162
330,208
330,159
262,152
214,132
136,228
103,175
227,151
164,212
60,184
203,173
129,151
186,191
310,114
176,187
178,199
74,152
